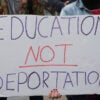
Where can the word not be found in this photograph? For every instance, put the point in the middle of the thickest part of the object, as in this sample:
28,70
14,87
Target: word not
38,56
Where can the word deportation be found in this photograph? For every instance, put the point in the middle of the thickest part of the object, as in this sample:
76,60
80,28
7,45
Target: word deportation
17,27
71,79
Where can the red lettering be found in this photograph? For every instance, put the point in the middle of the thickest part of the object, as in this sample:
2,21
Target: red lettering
47,56
53,54
29,53
65,54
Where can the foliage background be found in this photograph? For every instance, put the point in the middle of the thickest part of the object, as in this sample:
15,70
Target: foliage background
40,7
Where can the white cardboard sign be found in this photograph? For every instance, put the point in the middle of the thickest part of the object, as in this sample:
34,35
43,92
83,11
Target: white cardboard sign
40,53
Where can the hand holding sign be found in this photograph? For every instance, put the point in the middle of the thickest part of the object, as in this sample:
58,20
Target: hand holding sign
54,94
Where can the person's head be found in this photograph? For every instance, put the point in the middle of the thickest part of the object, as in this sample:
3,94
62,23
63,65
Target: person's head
92,4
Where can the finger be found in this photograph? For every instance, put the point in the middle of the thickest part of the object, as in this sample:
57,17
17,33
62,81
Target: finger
59,95
50,94
56,93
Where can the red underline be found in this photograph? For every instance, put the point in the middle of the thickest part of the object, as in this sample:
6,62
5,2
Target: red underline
41,65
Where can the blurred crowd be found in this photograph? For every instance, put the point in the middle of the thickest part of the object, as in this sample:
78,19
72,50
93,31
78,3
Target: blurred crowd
35,7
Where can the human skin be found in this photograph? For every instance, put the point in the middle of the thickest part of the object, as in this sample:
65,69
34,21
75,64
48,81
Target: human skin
54,94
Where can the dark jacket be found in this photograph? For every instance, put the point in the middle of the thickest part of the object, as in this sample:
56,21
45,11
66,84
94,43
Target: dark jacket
58,4
29,6
84,97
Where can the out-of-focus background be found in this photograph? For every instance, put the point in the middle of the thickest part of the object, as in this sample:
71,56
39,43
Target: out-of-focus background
35,7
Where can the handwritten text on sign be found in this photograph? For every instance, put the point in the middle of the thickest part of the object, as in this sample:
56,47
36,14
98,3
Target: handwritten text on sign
39,53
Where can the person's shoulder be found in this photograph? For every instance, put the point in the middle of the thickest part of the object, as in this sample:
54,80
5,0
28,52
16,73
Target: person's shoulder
71,5
69,9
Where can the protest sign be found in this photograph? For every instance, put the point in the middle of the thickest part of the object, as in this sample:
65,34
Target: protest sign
40,53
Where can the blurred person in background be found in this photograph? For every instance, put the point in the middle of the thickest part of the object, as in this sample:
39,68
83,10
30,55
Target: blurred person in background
13,6
27,6
33,7
57,5
23,7
3,7
82,7
30,6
